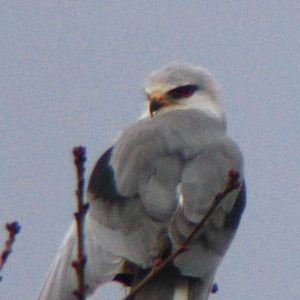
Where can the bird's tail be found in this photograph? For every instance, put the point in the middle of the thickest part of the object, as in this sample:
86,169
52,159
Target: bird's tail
169,284
101,267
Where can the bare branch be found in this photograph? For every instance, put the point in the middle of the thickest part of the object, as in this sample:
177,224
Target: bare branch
233,183
79,265
13,229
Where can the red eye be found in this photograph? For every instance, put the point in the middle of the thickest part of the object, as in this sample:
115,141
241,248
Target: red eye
183,91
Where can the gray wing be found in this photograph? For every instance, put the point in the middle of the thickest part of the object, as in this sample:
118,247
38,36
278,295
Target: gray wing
203,177
151,163
154,162
128,225
133,193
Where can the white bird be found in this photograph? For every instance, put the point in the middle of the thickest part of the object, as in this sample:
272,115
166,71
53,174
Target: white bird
151,188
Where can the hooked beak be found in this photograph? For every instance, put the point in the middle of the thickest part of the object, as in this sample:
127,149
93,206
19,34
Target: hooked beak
154,106
157,101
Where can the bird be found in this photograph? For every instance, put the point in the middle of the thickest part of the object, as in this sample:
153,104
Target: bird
151,188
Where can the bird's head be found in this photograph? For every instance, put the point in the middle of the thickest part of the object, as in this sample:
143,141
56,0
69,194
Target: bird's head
180,86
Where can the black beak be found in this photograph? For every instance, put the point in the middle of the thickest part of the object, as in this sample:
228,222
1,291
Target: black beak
154,106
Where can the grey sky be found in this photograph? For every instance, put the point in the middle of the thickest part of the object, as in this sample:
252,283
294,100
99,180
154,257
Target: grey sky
72,73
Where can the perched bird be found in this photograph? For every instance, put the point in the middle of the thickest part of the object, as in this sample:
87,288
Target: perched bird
151,188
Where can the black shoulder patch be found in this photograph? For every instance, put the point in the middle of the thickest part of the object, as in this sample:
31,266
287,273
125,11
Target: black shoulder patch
233,218
102,181
124,278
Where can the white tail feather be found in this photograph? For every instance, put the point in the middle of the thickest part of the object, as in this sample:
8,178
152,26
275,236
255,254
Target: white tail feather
61,281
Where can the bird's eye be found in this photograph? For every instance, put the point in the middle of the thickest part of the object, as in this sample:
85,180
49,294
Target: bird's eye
183,91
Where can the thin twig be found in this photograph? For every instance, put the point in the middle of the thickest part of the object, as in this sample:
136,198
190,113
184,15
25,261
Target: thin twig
79,265
13,229
233,183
